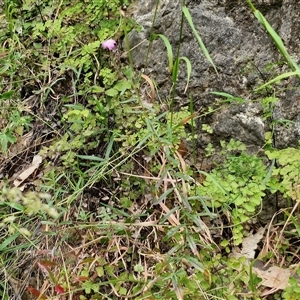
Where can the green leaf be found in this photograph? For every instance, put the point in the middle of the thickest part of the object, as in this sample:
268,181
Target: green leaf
123,85
5,66
16,206
164,195
100,271
5,139
195,263
97,89
278,78
8,241
37,46
239,201
6,95
229,98
211,178
122,291
111,92
272,154
91,157
125,202
109,147
90,48
243,218
189,70
138,268
250,207
224,243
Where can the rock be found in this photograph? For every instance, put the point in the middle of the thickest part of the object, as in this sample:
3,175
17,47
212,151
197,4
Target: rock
243,53
241,121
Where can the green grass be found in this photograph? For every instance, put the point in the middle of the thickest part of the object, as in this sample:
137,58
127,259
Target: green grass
118,207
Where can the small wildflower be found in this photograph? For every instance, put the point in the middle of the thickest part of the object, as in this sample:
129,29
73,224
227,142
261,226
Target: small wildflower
109,44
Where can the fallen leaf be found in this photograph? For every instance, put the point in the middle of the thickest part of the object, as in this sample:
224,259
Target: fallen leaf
192,116
272,276
35,293
182,149
80,279
22,143
59,289
27,172
249,244
151,86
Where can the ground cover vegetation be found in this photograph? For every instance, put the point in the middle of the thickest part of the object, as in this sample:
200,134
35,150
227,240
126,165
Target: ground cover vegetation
100,197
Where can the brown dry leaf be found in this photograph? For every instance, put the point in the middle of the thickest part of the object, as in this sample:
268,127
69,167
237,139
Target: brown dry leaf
182,149
27,172
192,116
249,244
22,143
151,86
172,219
272,276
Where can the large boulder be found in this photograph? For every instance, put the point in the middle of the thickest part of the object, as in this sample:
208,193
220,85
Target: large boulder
245,57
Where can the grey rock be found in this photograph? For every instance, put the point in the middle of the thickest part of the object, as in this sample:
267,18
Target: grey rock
243,53
243,122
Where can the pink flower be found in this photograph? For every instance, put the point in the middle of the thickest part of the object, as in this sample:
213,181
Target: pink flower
109,44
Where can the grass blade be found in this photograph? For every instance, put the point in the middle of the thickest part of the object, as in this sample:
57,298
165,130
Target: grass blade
189,71
201,44
169,50
229,97
8,241
276,39
278,78
109,148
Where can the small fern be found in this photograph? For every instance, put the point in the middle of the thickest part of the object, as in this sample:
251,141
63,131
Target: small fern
288,172
236,186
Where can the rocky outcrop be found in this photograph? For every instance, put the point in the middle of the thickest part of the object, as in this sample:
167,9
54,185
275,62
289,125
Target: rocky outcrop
244,55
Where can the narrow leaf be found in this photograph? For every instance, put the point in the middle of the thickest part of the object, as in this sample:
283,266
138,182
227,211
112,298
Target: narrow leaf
201,44
164,196
6,95
189,71
8,241
91,157
276,39
169,50
278,78
109,147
